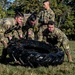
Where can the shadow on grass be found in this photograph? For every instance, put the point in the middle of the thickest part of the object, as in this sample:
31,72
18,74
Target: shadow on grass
8,61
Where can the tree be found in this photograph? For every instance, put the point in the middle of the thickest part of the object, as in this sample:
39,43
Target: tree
2,12
5,4
26,6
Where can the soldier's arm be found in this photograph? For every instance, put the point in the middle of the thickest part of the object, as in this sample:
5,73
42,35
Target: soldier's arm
52,16
59,36
3,40
25,30
7,25
38,20
40,35
66,47
8,33
65,44
39,14
30,34
20,33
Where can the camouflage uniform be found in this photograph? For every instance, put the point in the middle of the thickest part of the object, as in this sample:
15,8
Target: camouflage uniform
30,32
9,23
56,38
2,37
6,24
17,32
45,16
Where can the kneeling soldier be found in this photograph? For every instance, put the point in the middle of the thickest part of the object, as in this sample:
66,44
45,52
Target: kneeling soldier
56,37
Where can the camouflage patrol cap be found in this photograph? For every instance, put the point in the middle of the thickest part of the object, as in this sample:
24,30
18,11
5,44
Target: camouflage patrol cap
45,1
32,18
51,23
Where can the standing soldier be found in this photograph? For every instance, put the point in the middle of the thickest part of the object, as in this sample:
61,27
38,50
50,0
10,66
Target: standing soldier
11,27
30,29
56,37
45,15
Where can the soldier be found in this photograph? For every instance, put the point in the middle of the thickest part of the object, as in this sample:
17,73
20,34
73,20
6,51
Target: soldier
30,29
14,28
45,15
56,37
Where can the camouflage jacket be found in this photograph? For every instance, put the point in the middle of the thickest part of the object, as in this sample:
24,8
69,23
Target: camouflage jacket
30,31
56,38
46,15
8,23
2,30
17,32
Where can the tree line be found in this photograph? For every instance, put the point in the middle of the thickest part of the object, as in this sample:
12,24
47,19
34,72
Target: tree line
64,12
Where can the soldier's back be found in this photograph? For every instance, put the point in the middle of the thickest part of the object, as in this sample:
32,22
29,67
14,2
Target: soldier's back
9,21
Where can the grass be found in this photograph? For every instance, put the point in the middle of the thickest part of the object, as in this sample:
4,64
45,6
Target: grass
64,69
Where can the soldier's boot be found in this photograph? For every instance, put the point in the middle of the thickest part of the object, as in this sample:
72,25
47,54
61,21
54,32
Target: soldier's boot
69,57
4,54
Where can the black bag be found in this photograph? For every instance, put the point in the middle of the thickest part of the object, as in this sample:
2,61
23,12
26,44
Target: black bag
34,53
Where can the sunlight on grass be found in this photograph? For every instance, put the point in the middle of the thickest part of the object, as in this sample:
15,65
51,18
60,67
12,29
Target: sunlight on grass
72,45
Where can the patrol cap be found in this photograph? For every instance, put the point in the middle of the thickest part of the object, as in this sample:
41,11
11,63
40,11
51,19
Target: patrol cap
45,1
32,18
51,23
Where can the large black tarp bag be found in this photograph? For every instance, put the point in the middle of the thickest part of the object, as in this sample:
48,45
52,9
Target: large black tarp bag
34,53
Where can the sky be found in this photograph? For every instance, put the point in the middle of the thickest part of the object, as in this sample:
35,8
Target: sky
11,0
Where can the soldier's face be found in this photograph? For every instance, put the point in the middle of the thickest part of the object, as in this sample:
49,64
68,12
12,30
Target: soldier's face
33,22
46,5
19,20
51,28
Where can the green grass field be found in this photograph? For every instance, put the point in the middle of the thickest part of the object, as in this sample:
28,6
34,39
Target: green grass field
64,69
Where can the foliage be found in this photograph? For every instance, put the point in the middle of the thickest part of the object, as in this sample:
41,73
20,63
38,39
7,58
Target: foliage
26,6
10,13
2,12
5,4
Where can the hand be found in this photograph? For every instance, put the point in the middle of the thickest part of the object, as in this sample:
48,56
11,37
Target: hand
10,37
21,36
